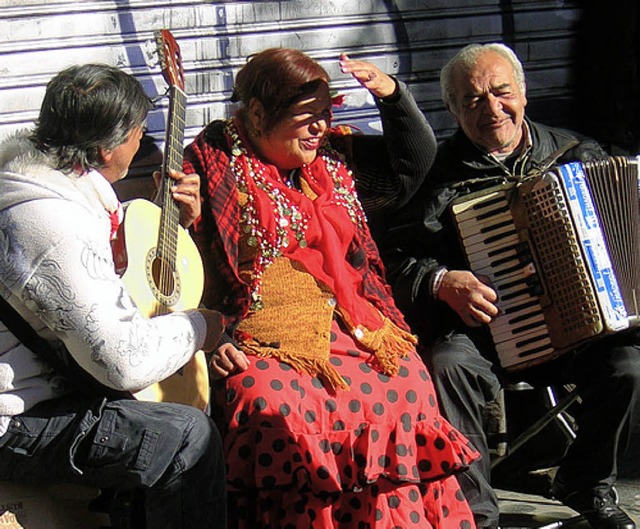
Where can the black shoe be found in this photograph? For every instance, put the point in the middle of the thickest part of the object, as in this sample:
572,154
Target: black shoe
601,510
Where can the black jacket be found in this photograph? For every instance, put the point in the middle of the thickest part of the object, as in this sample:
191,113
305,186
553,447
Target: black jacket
423,237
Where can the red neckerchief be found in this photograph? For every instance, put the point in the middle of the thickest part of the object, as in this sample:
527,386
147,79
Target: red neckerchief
116,218
331,220
217,231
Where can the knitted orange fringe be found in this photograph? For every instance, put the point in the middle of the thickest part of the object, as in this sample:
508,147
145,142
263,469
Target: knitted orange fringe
312,366
389,343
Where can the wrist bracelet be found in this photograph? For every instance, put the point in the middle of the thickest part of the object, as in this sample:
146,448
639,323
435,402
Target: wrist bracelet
436,280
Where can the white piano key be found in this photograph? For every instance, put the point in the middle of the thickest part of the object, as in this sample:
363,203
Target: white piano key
486,258
516,311
486,253
504,322
482,209
477,205
534,324
475,226
487,239
511,349
513,361
504,276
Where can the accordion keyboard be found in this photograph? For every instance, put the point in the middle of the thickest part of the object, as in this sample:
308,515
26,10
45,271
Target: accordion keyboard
494,250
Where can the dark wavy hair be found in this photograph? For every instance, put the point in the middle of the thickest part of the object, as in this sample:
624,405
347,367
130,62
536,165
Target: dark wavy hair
86,108
277,77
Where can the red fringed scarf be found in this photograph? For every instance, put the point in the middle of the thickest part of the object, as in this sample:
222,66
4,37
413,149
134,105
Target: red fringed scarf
316,228
314,232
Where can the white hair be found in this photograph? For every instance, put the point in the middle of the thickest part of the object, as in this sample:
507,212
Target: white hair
466,58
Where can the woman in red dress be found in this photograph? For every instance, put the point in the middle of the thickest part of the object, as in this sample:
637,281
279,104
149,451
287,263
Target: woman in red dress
328,414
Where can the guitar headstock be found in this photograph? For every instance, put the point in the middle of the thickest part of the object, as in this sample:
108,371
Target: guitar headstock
170,58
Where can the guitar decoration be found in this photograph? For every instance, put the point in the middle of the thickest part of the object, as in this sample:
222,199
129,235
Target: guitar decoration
162,268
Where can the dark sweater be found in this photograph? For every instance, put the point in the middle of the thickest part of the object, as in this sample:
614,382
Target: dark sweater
424,238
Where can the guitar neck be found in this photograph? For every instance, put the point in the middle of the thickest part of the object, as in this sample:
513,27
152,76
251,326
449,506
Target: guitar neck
174,145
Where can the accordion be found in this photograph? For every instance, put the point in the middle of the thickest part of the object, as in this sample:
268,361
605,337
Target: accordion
561,249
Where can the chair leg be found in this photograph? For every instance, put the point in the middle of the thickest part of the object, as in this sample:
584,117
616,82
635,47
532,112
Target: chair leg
561,418
537,426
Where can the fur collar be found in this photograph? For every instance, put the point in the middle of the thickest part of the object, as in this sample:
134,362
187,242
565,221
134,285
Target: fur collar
19,155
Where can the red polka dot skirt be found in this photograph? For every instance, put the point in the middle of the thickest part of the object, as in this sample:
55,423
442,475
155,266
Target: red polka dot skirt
301,455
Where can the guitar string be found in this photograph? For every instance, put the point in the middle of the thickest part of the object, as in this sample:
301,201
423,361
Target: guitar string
168,243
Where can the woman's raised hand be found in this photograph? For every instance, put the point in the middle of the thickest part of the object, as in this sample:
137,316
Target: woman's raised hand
369,76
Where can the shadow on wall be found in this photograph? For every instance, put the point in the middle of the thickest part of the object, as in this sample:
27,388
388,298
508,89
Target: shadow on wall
608,75
402,36
608,107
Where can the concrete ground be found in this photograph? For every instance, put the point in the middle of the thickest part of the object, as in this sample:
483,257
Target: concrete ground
524,510
524,495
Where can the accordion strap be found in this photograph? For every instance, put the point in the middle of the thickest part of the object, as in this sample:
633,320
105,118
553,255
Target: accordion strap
546,164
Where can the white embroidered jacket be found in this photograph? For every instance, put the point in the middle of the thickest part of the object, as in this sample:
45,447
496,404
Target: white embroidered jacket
57,270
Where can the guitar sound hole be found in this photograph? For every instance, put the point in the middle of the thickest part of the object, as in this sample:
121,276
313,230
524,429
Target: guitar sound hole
163,277
163,280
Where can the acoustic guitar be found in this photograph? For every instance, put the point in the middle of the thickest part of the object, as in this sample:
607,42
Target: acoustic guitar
161,266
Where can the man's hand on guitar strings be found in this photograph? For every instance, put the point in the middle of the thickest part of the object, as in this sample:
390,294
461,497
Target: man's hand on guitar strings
186,192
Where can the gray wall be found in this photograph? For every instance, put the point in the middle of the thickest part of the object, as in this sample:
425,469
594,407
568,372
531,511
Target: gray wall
409,38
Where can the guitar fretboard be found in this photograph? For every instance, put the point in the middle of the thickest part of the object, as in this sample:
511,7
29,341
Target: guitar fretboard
170,216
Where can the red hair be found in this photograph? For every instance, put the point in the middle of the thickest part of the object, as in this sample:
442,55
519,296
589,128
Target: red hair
277,77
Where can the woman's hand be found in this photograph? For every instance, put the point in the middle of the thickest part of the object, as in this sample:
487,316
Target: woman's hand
228,360
186,192
369,76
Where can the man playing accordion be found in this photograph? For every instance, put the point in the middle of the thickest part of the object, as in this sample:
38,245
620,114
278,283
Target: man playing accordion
449,307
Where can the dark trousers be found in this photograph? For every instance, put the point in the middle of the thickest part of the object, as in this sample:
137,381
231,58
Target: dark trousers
607,376
170,452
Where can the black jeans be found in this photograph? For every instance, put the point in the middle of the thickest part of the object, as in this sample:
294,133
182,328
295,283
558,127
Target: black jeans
171,452
607,376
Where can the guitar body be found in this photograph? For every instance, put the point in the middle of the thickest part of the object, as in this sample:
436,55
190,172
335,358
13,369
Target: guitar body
155,293
183,289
